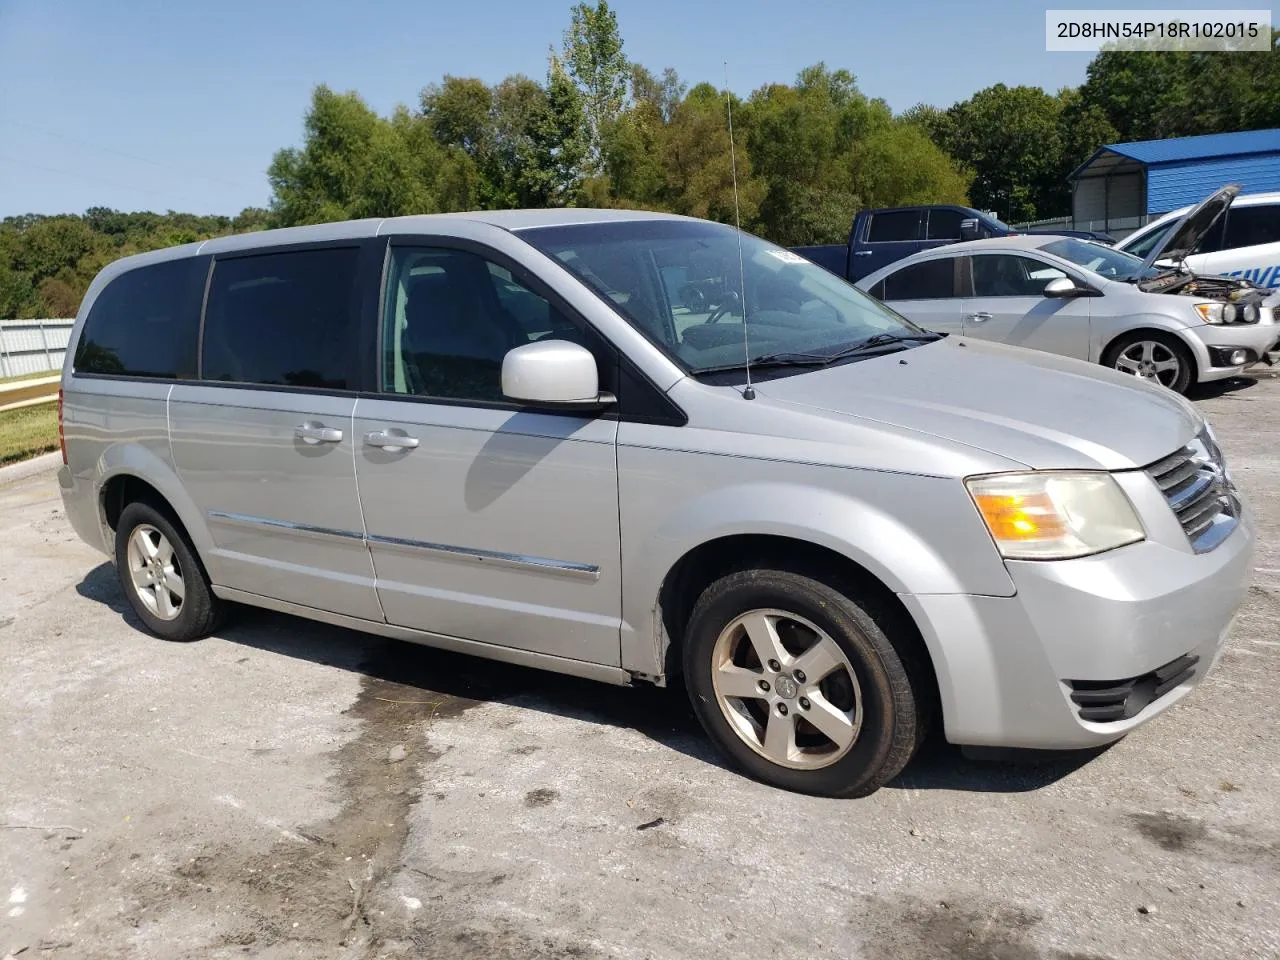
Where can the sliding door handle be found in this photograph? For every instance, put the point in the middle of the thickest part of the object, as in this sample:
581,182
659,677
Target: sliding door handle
390,441
313,432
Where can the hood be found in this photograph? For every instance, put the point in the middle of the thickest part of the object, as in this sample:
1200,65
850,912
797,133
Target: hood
1190,230
1042,410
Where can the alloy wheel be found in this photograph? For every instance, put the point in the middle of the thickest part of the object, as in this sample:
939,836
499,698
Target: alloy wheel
1150,360
787,689
154,572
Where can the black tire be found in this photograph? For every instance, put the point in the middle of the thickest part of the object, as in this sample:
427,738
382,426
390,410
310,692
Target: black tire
199,612
894,689
1186,362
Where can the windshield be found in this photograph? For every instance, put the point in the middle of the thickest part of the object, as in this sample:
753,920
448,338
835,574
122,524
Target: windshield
1105,261
679,282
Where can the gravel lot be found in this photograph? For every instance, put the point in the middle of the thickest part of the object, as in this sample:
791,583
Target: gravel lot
293,790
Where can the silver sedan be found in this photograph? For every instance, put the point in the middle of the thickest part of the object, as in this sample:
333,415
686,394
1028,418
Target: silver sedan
1085,300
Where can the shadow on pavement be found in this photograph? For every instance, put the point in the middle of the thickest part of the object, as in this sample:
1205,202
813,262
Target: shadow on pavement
410,670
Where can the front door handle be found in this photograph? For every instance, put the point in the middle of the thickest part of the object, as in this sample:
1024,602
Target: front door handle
390,441
313,432
979,317
863,253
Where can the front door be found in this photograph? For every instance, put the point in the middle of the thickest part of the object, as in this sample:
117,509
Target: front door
264,446
485,521
1009,306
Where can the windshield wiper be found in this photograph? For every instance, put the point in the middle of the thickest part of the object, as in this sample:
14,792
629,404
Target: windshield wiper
798,359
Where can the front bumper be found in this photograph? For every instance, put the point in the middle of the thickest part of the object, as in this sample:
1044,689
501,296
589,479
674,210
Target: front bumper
1209,341
1003,662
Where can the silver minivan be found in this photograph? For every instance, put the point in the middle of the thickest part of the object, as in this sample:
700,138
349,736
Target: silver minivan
536,436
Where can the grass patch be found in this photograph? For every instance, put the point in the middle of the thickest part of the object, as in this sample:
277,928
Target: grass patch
29,431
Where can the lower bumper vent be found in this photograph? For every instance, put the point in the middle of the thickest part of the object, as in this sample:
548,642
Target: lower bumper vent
1106,701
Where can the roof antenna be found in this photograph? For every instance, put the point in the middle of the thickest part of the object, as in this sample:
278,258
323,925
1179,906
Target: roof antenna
749,393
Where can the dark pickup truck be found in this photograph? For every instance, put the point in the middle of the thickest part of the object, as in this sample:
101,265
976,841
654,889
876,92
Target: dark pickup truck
880,237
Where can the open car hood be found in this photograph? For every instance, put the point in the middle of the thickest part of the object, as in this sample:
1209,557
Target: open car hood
1184,237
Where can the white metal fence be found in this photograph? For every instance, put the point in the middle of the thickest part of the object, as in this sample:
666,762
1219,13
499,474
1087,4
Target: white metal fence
33,346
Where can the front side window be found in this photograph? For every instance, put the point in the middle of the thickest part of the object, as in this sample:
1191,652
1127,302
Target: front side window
681,284
894,226
145,323
1007,275
944,224
926,280
450,317
288,319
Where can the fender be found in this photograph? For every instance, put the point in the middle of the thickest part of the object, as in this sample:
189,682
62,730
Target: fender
1155,321
133,459
882,543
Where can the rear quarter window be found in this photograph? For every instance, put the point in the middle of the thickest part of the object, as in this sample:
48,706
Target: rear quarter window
145,323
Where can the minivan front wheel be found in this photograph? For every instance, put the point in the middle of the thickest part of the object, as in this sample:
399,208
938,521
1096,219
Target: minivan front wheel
1152,356
160,575
799,685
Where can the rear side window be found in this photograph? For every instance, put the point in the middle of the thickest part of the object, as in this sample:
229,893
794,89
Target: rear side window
897,225
927,280
1251,226
944,225
145,323
290,319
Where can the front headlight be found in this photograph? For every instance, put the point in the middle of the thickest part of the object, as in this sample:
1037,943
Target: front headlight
1216,312
1055,515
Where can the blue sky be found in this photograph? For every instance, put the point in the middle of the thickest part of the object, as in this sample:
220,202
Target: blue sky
174,104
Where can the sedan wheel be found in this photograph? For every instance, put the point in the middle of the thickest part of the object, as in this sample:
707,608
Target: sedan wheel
787,689
1150,360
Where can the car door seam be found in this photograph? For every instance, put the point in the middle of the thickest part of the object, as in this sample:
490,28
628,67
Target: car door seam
364,524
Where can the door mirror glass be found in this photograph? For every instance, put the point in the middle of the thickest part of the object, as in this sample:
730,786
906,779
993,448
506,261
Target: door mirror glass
1061,288
552,372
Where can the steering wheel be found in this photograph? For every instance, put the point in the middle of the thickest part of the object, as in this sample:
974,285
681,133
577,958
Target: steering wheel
731,299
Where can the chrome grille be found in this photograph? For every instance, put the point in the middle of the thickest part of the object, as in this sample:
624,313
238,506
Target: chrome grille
1198,487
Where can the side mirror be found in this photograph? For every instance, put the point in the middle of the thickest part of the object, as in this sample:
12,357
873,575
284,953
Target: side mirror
553,373
1064,288
970,230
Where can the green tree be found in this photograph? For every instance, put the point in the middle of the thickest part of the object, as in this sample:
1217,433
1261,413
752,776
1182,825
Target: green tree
352,164
1011,137
551,166
592,55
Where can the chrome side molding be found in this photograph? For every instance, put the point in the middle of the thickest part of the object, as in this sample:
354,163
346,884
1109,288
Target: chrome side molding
519,561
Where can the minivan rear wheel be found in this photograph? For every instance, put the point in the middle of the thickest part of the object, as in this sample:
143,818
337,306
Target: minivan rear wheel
1158,357
164,581
800,685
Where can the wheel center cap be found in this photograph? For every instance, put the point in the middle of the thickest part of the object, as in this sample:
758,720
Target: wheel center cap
785,686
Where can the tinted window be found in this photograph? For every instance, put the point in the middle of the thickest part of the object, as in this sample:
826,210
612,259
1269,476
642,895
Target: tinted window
1004,275
451,316
1250,226
145,323
944,224
899,225
928,280
284,318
